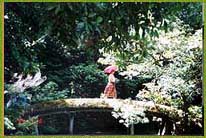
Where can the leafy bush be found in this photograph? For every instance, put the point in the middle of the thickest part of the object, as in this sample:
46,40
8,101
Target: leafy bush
87,80
49,91
27,127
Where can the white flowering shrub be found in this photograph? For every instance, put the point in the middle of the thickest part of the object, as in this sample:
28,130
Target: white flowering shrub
179,61
129,114
8,124
17,89
177,71
24,83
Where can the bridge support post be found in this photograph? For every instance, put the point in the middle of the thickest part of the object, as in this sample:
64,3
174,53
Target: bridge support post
132,129
71,123
36,129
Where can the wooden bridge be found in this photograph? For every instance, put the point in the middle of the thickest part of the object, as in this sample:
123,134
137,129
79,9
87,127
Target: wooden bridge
72,106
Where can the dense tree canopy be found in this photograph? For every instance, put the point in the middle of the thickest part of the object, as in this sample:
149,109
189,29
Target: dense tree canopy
86,27
67,46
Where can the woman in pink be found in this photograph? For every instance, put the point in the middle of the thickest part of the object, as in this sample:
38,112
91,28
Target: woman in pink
110,89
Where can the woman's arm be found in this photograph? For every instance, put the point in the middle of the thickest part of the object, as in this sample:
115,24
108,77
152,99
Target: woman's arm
111,78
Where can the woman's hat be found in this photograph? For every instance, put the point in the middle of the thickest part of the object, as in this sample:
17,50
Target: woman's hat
110,69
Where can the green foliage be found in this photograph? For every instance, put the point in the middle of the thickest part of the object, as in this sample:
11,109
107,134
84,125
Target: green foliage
50,130
189,14
49,91
15,127
27,127
87,80
83,80
195,112
86,26
20,33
